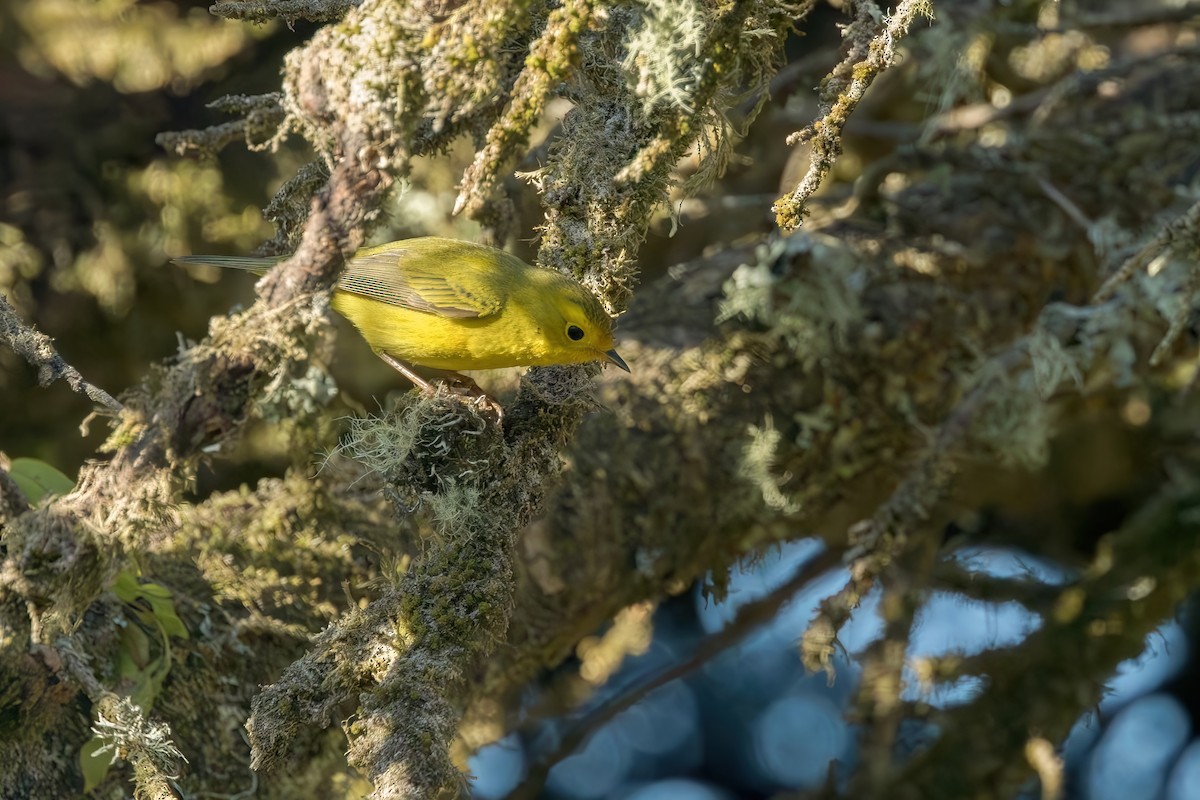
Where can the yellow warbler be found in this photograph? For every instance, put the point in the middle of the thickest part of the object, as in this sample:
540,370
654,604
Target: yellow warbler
454,305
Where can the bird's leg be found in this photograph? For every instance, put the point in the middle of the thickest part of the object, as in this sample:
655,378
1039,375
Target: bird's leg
408,372
461,383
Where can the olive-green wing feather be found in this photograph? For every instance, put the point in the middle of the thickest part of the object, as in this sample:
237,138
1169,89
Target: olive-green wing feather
447,284
432,275
258,266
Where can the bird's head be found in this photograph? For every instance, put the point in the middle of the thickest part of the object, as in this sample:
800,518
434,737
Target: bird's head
578,327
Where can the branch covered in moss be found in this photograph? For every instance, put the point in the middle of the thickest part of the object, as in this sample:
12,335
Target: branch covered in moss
612,165
873,40
289,208
549,63
680,111
147,746
1180,232
259,126
287,10
38,349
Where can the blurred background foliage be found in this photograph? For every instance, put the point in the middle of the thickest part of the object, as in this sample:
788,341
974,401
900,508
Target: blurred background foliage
91,211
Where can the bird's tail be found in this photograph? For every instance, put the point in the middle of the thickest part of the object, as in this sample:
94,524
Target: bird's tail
258,266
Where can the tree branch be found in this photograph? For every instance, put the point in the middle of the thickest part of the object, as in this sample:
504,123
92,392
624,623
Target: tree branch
38,349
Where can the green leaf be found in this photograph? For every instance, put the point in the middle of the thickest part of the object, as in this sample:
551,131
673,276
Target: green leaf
37,479
134,653
126,586
149,684
158,597
164,612
155,591
93,763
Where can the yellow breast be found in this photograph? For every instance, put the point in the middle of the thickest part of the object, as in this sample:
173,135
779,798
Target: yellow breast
507,339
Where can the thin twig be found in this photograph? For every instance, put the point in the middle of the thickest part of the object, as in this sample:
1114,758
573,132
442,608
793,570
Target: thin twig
879,702
1066,204
1185,225
873,43
38,349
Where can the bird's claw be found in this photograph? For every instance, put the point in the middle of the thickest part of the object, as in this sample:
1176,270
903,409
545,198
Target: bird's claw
486,403
455,383
474,396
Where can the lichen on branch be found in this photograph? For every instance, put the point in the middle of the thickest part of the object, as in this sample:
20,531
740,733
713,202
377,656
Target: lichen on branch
287,10
259,125
38,349
872,41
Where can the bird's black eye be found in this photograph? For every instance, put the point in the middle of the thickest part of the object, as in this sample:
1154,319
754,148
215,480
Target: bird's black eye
574,332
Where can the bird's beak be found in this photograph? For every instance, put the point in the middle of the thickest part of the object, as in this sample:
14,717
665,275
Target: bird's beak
612,356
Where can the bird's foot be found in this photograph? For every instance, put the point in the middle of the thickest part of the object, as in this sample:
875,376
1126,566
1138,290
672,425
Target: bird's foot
457,383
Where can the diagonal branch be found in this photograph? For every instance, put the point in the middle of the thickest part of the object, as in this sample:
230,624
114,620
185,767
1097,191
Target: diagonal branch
873,48
38,349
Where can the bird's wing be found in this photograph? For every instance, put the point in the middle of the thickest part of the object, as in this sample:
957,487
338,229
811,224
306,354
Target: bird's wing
416,281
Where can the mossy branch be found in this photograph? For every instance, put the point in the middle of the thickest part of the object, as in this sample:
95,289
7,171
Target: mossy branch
260,127
38,349
287,10
289,208
549,63
145,745
1179,232
681,121
613,162
872,41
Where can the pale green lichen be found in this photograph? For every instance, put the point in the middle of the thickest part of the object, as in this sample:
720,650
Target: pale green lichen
454,508
760,468
810,301
288,397
1052,364
445,443
380,444
550,61
872,47
147,746
1015,424
661,61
